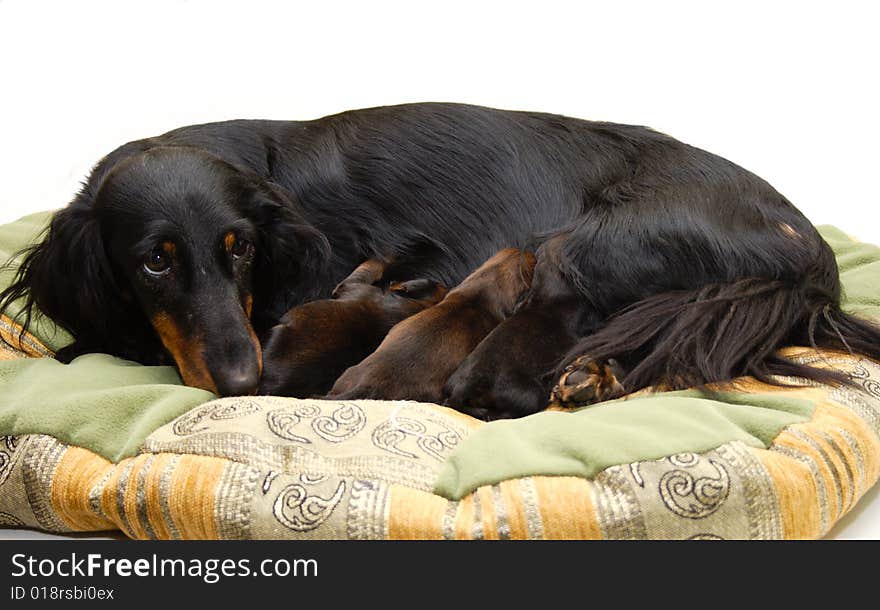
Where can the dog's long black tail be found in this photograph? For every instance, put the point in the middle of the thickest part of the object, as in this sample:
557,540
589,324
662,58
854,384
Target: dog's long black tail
719,332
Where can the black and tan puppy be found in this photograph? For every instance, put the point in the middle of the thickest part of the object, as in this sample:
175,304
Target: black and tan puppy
315,342
420,353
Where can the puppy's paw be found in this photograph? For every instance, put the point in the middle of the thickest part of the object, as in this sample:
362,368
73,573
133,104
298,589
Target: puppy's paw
355,384
349,391
586,382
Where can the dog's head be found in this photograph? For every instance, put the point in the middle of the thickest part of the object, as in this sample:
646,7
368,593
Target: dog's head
174,252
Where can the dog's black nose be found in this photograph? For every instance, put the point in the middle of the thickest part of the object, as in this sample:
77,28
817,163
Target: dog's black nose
240,382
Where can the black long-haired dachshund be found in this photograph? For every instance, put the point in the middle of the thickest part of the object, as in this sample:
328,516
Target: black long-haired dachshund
680,265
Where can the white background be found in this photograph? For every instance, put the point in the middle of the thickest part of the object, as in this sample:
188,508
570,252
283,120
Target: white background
788,90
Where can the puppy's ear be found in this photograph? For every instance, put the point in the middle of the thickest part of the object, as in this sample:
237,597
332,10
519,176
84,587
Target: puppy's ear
419,289
292,255
68,278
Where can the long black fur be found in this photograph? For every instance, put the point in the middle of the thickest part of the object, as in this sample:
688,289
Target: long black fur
687,266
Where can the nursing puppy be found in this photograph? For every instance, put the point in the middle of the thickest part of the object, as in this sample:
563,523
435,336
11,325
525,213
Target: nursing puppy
420,353
514,364
305,353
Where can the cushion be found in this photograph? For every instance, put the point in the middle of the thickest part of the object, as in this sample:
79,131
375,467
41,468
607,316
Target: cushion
107,444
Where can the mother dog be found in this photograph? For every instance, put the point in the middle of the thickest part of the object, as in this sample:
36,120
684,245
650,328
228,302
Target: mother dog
680,265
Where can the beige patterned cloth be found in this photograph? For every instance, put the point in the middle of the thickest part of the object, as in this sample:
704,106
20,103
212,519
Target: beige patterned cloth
284,468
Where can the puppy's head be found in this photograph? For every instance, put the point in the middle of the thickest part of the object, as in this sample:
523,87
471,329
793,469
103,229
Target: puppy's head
176,246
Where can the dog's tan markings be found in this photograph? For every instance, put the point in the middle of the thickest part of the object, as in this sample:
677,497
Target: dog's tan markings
187,353
585,382
257,347
229,241
248,309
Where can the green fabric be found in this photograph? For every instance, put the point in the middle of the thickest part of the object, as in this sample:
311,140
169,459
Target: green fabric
14,238
859,265
585,441
98,402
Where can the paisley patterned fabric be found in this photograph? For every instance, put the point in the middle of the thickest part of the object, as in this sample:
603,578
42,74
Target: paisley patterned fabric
279,468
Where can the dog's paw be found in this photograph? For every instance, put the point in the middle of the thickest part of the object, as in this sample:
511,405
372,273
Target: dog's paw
585,382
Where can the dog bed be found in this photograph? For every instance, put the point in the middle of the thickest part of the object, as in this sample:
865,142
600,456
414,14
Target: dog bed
105,444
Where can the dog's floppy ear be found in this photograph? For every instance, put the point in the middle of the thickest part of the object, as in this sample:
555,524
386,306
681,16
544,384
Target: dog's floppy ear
292,255
68,278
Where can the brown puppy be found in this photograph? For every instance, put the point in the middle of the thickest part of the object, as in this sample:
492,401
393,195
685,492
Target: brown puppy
510,366
513,365
317,341
419,354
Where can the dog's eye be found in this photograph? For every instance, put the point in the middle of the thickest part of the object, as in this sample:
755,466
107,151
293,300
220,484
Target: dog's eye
158,261
240,247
